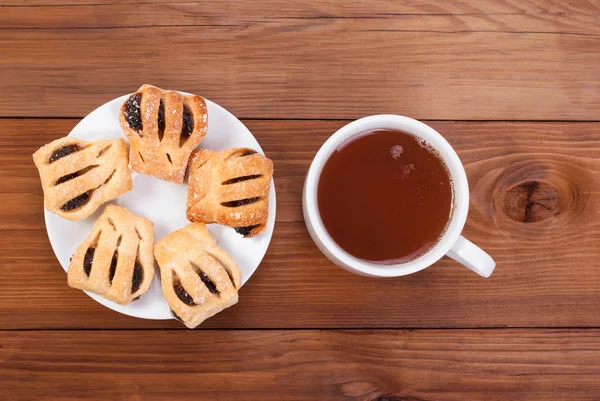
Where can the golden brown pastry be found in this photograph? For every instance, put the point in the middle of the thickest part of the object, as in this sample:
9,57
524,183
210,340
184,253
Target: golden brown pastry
163,127
116,259
230,188
78,176
199,279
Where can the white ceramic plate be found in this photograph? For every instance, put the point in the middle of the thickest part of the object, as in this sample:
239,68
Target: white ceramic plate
163,203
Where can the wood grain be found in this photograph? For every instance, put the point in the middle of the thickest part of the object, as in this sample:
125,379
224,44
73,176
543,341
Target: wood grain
541,16
545,241
468,60
445,365
297,71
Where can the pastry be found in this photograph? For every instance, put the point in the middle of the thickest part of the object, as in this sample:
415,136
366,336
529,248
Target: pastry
199,279
163,127
230,188
77,176
116,259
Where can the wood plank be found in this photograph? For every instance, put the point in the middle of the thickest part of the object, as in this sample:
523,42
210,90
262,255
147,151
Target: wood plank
539,15
546,252
470,61
445,365
320,8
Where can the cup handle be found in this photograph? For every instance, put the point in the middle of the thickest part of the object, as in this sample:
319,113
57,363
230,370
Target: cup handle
467,253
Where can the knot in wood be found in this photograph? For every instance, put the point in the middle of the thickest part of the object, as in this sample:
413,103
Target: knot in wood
532,201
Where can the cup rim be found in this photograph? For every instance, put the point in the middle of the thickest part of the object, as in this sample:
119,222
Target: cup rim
457,175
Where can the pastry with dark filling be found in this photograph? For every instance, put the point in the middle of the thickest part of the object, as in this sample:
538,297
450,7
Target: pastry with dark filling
163,127
77,176
199,279
116,259
231,188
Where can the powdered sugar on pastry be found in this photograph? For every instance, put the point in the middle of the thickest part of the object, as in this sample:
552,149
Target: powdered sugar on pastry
230,187
168,128
78,176
116,259
198,278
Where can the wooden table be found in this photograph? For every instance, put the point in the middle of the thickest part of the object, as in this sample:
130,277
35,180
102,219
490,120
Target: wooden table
514,86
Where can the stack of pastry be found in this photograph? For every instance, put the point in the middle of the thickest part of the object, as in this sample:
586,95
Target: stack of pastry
230,187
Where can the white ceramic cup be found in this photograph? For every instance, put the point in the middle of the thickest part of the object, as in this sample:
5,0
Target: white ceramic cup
451,243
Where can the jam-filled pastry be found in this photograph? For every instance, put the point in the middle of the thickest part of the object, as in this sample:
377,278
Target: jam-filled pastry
163,127
77,176
199,279
231,188
116,259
